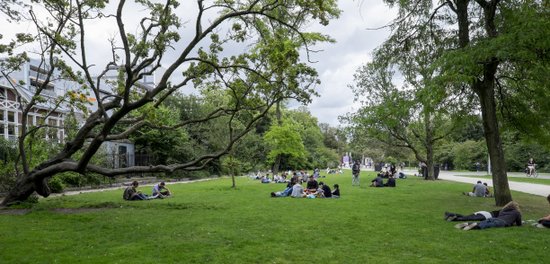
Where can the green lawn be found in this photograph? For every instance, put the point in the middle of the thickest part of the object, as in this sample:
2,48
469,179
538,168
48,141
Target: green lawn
208,222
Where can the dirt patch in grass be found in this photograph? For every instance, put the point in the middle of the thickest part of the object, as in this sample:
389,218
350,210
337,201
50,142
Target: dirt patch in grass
77,210
14,211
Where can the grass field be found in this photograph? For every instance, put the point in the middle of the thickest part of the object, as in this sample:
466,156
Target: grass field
209,222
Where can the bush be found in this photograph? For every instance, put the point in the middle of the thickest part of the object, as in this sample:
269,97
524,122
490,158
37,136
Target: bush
467,153
56,184
71,179
8,176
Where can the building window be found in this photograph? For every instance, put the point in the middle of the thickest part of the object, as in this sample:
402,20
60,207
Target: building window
11,116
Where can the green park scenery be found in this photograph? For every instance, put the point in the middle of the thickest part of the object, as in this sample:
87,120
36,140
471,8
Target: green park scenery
210,222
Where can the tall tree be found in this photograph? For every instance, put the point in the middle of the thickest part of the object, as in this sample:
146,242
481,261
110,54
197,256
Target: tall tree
478,31
415,112
158,40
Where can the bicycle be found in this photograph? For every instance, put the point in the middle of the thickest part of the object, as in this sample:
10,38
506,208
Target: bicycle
531,171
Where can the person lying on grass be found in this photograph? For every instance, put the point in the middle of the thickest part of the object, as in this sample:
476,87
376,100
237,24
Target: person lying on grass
508,216
161,191
131,193
545,221
477,216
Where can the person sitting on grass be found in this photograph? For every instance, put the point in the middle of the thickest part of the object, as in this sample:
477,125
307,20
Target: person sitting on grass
312,185
131,193
545,221
479,190
336,191
297,191
160,191
509,215
287,191
265,179
326,190
477,216
391,181
377,182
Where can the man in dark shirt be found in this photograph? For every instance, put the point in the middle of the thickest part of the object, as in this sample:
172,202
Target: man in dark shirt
312,184
326,190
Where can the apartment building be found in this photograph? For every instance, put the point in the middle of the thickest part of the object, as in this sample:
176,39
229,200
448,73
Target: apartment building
17,88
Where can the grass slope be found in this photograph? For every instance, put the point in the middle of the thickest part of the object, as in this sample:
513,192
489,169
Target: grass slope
209,222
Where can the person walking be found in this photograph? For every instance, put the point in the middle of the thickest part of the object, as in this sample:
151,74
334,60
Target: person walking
355,170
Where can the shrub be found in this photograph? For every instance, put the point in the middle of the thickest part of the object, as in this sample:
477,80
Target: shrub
8,176
56,184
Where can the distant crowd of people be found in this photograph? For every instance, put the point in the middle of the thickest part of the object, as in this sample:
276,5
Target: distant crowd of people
313,189
508,215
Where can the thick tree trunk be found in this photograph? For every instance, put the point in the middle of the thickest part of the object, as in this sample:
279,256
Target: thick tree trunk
277,164
23,188
485,91
430,163
429,145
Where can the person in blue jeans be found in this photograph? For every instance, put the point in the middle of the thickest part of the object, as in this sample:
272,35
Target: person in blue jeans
287,191
131,193
509,215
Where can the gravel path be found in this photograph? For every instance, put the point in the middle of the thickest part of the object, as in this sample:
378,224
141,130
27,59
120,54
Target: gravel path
532,188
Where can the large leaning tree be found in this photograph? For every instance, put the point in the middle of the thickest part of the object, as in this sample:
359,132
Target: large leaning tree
498,49
212,46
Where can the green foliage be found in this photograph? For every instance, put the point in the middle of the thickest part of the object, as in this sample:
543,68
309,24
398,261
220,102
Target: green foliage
467,153
56,184
285,140
71,179
8,176
233,166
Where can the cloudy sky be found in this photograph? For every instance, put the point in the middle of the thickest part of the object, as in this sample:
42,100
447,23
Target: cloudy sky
339,61
336,63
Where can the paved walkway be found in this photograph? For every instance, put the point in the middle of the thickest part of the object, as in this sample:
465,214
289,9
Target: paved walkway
532,188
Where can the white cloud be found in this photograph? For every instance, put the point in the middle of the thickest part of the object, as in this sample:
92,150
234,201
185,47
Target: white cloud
338,62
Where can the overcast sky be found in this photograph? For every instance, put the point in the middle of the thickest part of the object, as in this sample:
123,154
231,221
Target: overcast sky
336,63
339,61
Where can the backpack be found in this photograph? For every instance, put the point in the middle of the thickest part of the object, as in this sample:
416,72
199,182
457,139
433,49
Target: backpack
355,167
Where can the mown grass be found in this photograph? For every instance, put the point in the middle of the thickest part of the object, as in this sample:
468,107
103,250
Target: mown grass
209,222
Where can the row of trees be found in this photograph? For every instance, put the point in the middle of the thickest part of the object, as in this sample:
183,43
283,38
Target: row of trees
449,61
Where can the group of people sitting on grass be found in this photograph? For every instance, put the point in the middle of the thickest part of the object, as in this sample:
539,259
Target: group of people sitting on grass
313,189
509,215
480,190
160,191
302,176
379,181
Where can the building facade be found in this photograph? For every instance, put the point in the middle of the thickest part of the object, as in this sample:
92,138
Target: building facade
19,87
